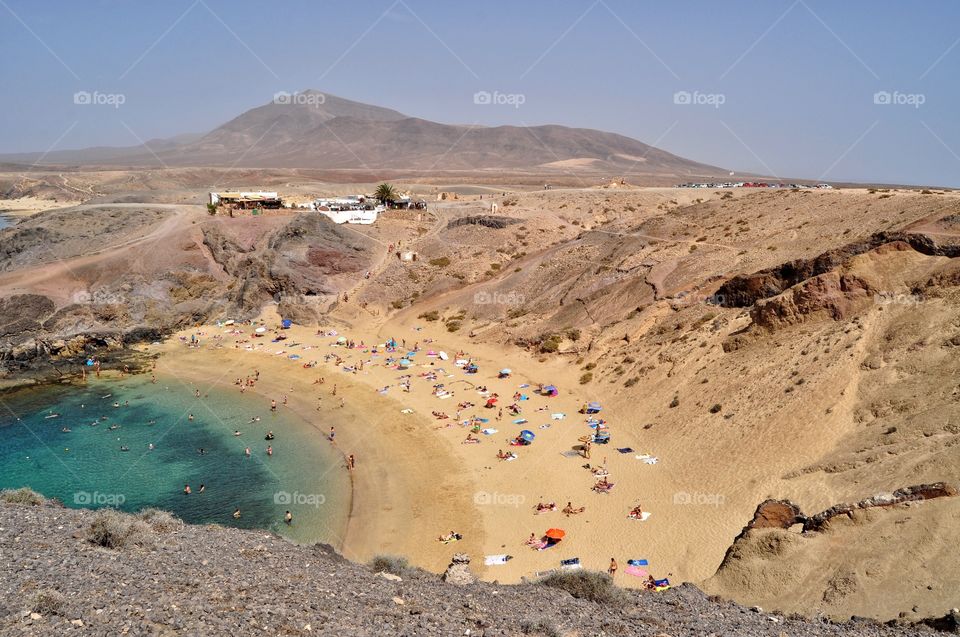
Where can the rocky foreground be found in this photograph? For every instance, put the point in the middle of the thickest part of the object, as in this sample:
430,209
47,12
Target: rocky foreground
65,571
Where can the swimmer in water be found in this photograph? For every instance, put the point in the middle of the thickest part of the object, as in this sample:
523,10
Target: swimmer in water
269,450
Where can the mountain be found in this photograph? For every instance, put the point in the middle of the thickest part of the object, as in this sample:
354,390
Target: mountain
316,130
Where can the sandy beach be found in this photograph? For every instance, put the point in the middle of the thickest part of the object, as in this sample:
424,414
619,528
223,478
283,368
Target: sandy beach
416,479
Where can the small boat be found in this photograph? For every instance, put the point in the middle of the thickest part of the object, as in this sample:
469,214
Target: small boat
49,416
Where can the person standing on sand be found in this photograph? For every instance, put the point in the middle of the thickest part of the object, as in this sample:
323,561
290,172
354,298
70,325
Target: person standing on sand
273,405
332,434
351,462
586,450
612,570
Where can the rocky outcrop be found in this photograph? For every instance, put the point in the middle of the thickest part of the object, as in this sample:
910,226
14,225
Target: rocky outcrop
488,221
821,521
832,294
458,572
744,290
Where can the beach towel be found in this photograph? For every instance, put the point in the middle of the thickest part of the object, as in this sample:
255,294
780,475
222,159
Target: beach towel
547,426
661,584
524,386
406,411
625,450
519,421
493,560
636,571
488,431
524,397
571,565
558,416
647,458
643,516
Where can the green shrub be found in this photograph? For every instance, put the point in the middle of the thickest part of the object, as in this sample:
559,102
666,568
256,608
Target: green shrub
586,378
440,262
589,585
432,315
551,344
716,408
573,334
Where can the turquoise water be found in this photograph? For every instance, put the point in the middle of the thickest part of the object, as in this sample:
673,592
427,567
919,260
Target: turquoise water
86,467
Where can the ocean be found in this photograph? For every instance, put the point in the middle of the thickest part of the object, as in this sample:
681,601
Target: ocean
106,458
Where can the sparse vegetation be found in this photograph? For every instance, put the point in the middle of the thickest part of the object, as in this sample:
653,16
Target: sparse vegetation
160,521
440,262
114,530
716,408
586,377
432,315
48,602
392,564
24,495
593,586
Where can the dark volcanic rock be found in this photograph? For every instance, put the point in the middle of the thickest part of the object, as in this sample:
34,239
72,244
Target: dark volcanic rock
208,580
820,521
744,290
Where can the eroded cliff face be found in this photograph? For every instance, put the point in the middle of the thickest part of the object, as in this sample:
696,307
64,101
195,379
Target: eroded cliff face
64,301
860,558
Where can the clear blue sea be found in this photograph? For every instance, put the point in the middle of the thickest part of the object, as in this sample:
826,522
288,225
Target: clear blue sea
86,467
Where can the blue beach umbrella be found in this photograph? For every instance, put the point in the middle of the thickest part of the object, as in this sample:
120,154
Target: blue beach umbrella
527,435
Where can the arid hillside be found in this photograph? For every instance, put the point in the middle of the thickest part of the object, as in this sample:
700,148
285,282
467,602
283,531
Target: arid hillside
768,344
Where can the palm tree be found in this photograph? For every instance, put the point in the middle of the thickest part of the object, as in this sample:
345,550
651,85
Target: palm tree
385,193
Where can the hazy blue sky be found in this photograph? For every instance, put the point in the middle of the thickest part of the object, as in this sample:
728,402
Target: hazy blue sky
785,87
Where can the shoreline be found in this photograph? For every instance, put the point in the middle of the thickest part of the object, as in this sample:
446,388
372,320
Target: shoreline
388,513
